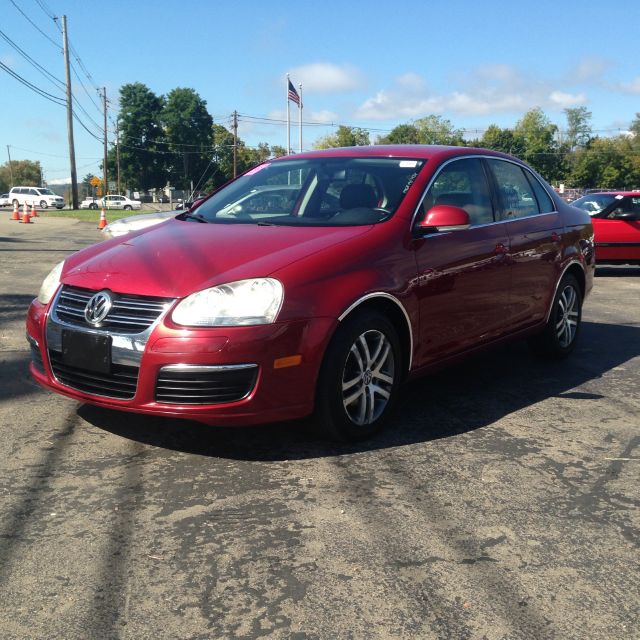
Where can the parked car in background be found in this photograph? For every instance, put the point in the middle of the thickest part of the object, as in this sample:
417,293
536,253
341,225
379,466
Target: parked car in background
5,200
616,225
134,223
120,202
35,196
111,202
380,264
90,203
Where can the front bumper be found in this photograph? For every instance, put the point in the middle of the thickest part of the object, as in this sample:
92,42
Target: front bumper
276,393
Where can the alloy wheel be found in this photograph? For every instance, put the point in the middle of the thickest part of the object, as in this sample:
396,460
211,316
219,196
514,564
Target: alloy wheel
567,316
368,377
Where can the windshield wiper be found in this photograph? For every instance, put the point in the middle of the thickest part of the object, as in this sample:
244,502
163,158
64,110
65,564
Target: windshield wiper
195,216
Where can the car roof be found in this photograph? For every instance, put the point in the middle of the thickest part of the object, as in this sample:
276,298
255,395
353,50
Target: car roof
613,193
418,151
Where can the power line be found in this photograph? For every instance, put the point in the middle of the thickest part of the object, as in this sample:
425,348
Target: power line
33,87
35,25
46,9
31,61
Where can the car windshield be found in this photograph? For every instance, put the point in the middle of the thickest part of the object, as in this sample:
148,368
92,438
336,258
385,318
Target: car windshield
313,192
594,202
46,192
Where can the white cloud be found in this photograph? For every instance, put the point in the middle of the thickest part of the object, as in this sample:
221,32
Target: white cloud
565,100
632,87
486,90
321,116
590,69
325,77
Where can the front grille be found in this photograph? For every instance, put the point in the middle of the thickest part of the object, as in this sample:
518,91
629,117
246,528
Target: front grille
120,383
129,314
205,385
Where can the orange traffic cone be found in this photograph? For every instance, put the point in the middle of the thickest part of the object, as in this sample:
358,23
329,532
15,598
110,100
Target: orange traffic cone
26,217
103,219
16,214
34,213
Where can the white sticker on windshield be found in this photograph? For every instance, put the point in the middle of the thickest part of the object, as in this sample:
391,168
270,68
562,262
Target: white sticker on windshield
408,164
619,197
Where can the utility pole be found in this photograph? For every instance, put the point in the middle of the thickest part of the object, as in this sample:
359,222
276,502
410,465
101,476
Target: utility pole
105,172
72,150
118,155
10,167
235,144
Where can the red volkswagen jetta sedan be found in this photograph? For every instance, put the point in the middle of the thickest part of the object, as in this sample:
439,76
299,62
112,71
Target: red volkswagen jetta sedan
317,284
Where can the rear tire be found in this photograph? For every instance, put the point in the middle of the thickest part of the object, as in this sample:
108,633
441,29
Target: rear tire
93,205
359,379
559,337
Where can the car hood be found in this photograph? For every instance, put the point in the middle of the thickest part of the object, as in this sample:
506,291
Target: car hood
177,258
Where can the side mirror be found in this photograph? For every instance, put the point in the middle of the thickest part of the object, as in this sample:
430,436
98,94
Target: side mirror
443,217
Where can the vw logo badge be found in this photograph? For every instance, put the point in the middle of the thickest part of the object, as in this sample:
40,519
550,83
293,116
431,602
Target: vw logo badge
98,308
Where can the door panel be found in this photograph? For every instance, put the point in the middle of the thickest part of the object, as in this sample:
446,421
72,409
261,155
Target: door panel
617,239
535,254
463,290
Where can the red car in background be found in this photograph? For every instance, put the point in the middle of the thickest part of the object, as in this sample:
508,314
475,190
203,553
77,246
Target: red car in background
616,225
373,264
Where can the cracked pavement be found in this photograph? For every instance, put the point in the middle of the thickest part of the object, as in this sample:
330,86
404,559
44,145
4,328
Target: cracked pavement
502,504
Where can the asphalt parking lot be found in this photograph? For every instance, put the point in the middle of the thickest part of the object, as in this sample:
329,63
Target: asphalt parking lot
503,504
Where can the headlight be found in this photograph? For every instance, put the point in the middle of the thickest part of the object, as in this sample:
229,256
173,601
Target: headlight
245,302
50,284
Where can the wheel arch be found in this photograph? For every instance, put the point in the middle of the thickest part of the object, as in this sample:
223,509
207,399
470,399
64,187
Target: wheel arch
392,308
576,269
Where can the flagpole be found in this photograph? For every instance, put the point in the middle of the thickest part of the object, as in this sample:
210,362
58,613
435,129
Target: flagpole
300,117
288,120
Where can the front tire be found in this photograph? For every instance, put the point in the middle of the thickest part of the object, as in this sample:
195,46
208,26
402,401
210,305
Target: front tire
43,204
359,379
559,337
128,207
93,205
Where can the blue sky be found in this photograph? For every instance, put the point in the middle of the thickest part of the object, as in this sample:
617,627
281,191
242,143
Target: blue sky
369,64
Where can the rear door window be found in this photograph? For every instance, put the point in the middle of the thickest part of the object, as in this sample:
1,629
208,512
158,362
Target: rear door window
517,197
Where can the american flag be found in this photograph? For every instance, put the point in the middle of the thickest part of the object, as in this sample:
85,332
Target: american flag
293,94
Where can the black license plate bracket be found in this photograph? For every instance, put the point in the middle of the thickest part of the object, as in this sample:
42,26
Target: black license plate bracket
88,351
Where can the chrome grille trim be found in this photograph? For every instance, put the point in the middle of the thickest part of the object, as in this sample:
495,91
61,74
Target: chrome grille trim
121,383
129,315
127,347
204,384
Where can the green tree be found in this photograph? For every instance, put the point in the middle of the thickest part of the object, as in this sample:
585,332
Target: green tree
504,140
402,134
140,136
428,130
188,132
344,137
436,130
609,163
540,147
278,151
26,173
578,127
